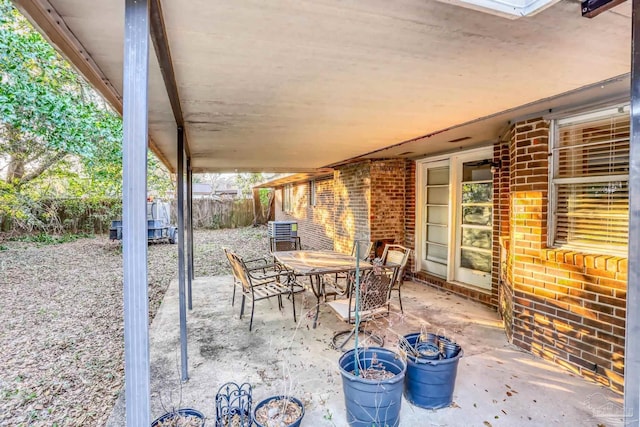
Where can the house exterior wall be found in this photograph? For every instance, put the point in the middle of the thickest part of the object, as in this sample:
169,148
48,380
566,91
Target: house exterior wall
352,197
363,201
502,281
568,307
315,223
410,212
564,306
388,201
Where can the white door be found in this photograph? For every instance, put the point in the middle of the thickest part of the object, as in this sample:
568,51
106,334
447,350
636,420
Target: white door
474,224
455,212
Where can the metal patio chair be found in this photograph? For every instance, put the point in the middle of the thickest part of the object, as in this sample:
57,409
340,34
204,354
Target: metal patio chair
363,249
375,291
397,255
263,264
257,284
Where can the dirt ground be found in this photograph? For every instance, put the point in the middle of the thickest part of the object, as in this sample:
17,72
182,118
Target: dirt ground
61,339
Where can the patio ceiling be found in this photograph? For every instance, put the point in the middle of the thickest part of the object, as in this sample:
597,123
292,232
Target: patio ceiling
295,86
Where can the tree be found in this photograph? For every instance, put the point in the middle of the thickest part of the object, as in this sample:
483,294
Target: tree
58,137
47,111
246,181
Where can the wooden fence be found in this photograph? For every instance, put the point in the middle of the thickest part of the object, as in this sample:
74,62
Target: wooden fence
209,213
59,216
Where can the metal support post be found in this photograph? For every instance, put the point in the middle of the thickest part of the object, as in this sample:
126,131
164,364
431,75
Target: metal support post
181,256
134,213
190,172
632,331
189,241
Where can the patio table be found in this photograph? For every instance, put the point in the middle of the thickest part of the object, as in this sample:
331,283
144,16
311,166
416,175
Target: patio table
315,264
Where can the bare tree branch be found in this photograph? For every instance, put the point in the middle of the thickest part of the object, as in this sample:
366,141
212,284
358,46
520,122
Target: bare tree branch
44,165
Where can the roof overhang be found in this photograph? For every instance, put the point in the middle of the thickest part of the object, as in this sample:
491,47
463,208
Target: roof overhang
293,178
282,87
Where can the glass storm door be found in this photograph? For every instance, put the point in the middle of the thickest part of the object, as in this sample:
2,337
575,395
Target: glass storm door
474,230
436,196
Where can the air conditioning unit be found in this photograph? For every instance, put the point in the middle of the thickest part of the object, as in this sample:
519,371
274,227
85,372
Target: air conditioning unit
282,230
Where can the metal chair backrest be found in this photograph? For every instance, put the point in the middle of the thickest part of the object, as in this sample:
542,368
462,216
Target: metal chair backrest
375,285
364,247
239,269
290,244
396,254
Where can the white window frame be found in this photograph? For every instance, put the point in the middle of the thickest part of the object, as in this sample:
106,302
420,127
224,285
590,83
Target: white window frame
554,182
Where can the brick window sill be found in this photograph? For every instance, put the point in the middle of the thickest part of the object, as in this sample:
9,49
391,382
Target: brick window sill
613,264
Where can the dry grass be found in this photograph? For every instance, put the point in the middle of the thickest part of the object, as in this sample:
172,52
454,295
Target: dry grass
61,340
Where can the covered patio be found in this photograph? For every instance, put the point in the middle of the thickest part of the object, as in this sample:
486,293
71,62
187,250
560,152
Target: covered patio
299,87
497,384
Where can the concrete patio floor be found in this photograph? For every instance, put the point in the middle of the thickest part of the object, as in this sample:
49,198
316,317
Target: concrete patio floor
497,384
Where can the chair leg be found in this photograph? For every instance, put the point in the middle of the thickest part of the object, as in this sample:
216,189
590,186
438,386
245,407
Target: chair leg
400,298
350,333
242,307
253,304
293,302
233,298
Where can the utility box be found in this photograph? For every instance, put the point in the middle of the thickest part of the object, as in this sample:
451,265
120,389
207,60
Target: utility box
159,227
282,230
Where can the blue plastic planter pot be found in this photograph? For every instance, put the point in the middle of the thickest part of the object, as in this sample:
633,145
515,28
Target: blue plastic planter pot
260,404
428,350
177,413
372,402
429,383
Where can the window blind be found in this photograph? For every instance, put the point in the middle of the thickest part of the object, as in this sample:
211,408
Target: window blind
590,180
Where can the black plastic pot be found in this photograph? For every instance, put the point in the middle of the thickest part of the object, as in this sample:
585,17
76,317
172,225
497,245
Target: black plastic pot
260,404
430,383
372,402
178,413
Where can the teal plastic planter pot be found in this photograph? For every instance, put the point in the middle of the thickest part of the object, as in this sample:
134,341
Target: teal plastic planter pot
372,402
178,413
429,383
260,404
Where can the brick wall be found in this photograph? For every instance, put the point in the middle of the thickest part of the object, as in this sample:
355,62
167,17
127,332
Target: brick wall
363,201
315,223
388,201
352,197
568,307
410,213
501,277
